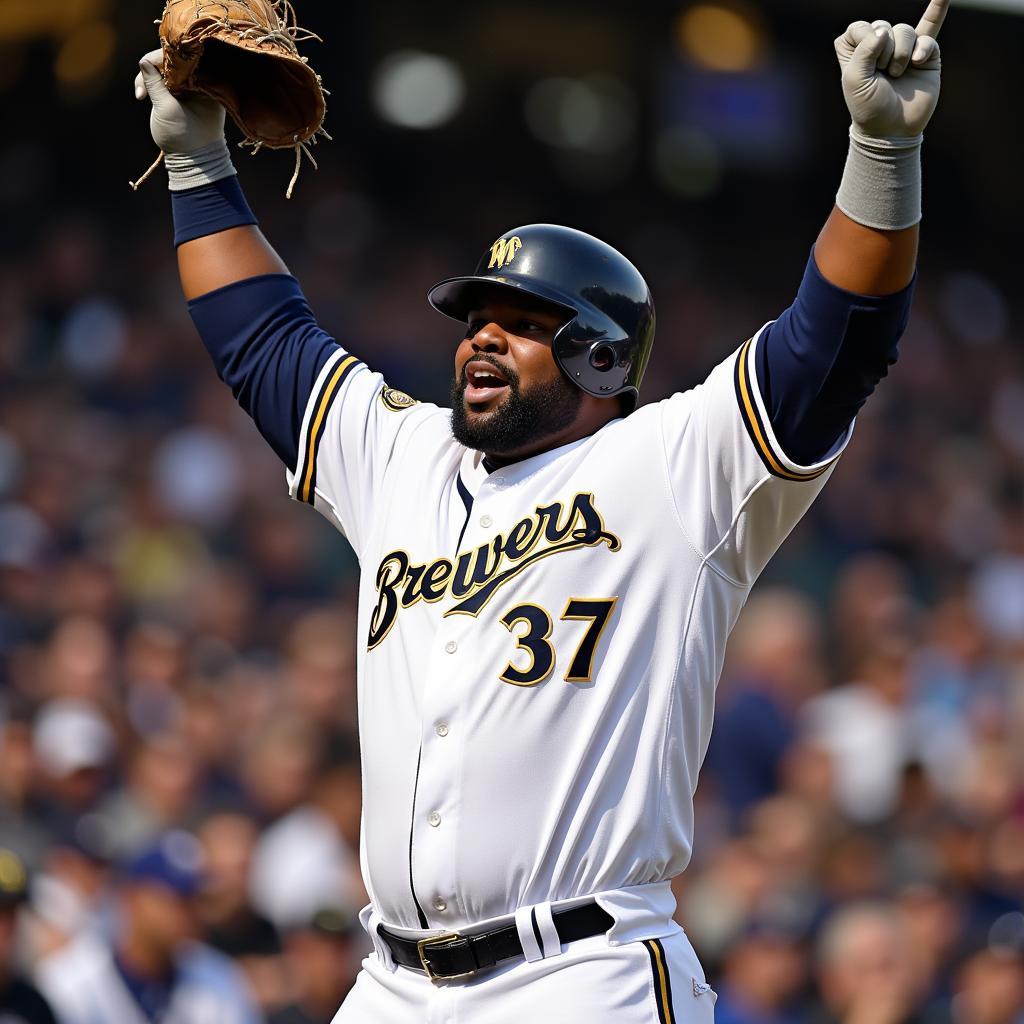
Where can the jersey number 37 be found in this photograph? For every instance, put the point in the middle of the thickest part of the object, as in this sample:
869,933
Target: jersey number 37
535,640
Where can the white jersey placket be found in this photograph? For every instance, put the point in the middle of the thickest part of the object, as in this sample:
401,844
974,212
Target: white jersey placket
453,672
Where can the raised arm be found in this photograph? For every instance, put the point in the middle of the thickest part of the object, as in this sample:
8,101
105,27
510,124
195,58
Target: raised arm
334,422
218,242
891,77
253,319
822,359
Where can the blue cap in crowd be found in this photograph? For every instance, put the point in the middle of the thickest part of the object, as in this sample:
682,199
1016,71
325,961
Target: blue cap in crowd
175,861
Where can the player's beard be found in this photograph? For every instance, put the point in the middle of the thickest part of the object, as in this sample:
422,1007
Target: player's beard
521,419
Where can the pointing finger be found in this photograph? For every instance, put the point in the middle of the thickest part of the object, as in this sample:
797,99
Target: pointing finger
933,18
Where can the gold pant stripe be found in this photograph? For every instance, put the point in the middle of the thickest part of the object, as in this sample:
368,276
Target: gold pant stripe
661,983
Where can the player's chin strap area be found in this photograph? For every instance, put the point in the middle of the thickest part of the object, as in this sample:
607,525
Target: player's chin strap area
451,956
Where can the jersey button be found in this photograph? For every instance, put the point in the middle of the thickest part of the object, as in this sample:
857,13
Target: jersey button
451,647
439,905
486,522
434,818
441,729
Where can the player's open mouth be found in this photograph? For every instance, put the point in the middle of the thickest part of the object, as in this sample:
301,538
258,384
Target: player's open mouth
483,382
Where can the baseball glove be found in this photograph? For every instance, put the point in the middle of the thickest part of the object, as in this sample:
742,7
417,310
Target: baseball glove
244,54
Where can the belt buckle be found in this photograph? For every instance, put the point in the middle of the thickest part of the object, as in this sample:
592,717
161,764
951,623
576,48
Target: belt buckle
436,940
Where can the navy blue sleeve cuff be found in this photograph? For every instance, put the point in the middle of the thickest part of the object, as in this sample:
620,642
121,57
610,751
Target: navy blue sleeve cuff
209,209
821,360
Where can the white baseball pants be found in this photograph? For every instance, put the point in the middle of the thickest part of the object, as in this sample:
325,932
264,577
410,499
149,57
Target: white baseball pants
591,982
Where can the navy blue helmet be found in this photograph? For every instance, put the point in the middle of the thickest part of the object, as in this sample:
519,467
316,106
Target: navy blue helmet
605,343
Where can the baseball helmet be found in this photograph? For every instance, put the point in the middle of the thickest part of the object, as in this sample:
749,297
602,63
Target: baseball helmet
604,345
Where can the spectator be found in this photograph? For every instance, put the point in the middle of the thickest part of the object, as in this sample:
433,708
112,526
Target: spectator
865,727
719,903
70,892
864,967
21,828
990,988
153,969
324,963
320,668
230,923
931,919
20,1003
763,977
280,764
158,793
774,666
74,747
310,854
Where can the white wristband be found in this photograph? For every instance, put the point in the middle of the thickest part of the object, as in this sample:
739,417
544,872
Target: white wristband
204,166
881,185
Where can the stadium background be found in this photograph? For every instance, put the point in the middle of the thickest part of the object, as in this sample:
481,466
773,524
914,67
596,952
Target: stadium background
177,639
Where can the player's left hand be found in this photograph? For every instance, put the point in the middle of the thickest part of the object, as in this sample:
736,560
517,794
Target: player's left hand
179,126
891,74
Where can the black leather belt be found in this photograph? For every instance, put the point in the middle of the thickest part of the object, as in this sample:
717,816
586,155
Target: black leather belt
444,957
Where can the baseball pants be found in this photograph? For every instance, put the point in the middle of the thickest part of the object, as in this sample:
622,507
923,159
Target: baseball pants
652,982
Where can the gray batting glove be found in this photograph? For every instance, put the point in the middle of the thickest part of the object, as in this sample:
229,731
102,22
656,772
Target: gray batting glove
189,132
891,80
891,76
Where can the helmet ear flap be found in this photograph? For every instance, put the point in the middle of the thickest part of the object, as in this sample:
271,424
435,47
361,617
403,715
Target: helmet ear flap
594,354
561,344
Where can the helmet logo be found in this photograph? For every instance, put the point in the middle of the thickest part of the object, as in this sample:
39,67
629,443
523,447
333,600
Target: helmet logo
503,252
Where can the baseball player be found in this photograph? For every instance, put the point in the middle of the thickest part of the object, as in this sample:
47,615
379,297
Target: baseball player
551,572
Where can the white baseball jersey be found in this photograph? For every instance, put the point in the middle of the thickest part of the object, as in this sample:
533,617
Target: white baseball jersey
540,645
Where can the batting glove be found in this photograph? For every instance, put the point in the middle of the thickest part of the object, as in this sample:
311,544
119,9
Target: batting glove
190,133
891,77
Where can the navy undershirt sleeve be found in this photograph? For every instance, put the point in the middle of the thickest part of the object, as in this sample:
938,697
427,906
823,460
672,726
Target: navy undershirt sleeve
821,360
260,332
268,348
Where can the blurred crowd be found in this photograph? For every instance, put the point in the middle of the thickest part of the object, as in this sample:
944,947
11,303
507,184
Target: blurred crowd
179,765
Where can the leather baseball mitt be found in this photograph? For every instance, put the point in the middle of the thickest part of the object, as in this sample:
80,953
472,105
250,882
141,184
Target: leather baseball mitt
244,54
